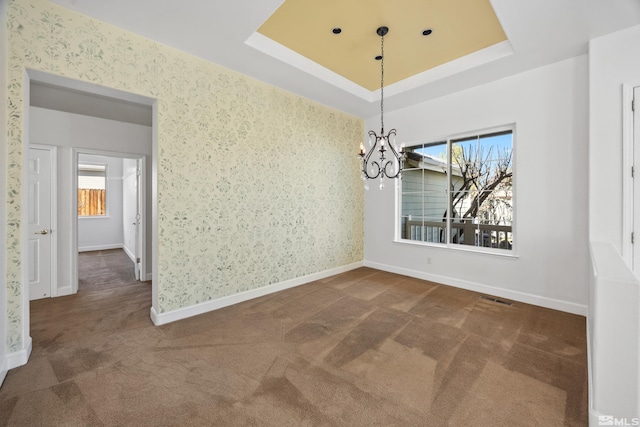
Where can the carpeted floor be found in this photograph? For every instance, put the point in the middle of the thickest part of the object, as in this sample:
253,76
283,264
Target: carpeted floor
101,269
362,348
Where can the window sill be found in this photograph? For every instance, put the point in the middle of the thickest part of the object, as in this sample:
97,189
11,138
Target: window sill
461,248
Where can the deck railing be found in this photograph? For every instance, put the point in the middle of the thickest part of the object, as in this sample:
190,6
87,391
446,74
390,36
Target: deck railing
464,233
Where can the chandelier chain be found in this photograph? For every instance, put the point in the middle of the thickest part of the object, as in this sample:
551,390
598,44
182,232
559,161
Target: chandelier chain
382,84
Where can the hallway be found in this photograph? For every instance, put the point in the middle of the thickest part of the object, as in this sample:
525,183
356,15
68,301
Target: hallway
102,269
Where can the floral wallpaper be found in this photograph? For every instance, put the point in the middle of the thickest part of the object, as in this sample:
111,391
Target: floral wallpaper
255,185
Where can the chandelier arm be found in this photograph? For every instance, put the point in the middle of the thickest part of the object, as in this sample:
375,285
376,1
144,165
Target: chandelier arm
399,156
373,146
366,156
387,174
391,146
380,170
374,135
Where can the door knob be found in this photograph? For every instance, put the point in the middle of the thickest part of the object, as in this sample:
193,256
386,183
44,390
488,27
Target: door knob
43,231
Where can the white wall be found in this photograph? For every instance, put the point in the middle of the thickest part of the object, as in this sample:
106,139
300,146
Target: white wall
613,322
3,190
104,232
549,108
613,61
68,130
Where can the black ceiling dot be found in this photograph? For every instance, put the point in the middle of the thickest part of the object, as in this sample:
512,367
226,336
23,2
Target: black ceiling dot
336,30
378,58
427,32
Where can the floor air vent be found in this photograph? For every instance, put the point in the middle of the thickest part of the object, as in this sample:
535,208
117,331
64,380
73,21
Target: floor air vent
499,301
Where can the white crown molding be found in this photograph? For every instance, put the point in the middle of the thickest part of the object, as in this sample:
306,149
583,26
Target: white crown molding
290,57
276,50
473,60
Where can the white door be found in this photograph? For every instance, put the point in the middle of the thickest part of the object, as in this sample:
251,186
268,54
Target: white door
131,212
39,223
139,218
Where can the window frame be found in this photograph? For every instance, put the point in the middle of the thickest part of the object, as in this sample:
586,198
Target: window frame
107,193
448,245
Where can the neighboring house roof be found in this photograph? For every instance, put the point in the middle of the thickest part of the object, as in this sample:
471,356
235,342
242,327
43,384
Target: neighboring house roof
430,162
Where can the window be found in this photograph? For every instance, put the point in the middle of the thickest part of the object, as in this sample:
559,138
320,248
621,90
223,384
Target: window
458,191
92,184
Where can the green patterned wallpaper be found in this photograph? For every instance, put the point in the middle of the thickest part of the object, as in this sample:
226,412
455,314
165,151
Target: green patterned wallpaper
255,185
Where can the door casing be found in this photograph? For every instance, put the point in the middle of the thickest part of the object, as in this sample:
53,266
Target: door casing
74,209
636,183
631,183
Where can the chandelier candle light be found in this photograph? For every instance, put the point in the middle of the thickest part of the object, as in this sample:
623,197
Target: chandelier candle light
382,167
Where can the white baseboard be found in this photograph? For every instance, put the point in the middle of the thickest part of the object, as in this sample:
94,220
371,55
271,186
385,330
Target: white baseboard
594,418
130,254
100,247
132,257
62,292
205,307
3,370
555,304
20,357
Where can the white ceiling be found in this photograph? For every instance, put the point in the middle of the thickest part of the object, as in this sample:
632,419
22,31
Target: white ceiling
540,32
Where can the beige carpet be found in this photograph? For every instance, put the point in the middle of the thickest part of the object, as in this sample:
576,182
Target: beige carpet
364,348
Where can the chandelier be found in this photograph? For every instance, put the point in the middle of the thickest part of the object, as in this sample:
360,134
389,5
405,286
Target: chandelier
381,166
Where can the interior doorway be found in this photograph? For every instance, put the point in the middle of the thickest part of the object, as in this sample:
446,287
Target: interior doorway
111,208
54,107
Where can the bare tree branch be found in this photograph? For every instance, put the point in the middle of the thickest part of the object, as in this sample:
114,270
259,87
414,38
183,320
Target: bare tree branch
480,175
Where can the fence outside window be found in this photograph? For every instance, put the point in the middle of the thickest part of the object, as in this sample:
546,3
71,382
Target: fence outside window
91,202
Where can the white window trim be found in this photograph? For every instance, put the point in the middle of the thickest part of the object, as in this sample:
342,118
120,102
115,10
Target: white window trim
513,252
